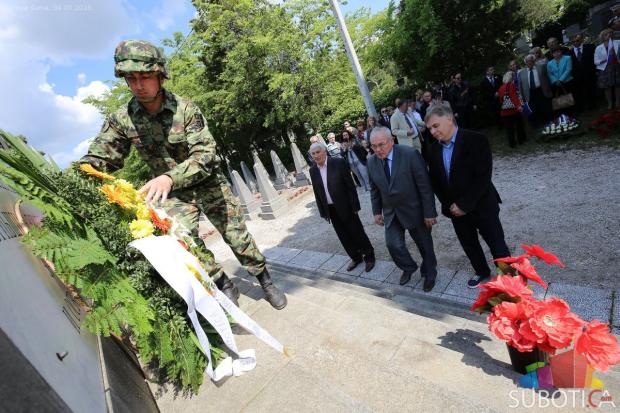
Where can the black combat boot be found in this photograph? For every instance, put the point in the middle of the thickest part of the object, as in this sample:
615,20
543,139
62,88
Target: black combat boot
275,297
228,288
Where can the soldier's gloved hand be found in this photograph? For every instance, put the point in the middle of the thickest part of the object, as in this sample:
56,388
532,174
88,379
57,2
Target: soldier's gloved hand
157,189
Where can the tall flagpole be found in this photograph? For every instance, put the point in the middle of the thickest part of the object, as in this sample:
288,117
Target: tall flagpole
348,45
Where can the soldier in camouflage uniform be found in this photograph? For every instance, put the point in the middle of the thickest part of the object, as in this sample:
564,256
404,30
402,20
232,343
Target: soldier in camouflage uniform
171,135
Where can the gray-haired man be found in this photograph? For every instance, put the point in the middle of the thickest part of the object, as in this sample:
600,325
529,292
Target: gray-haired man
402,199
337,201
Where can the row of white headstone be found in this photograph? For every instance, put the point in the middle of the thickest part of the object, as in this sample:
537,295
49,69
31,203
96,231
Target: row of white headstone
273,201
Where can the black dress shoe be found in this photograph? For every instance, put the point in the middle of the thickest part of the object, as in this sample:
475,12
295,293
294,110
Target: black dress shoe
353,264
428,284
273,295
405,277
369,265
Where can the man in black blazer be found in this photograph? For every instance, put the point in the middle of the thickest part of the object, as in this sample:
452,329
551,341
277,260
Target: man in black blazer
460,167
402,199
336,198
584,73
489,99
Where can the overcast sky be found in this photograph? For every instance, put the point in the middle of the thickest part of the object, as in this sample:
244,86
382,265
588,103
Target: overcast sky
54,54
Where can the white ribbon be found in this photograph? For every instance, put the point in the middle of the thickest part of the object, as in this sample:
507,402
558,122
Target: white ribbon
172,262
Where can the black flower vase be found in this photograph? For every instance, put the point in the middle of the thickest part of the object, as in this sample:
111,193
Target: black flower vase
520,360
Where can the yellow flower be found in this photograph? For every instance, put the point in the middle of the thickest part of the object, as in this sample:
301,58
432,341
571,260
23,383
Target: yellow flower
129,191
142,212
141,228
117,196
88,168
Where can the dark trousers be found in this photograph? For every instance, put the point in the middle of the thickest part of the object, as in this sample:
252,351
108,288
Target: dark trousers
541,107
489,226
395,240
352,236
512,123
584,92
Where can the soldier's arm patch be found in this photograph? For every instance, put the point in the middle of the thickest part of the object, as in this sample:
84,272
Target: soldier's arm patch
197,123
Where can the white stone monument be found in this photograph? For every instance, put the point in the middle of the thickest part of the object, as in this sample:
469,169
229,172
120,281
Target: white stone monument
301,167
273,205
247,200
249,178
282,180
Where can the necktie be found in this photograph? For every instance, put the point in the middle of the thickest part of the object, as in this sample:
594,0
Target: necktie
411,126
532,81
579,54
386,169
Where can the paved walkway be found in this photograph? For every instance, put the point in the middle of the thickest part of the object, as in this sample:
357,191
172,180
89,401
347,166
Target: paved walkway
590,303
356,348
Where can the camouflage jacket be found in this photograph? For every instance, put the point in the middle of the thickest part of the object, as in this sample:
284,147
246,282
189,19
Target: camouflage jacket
176,141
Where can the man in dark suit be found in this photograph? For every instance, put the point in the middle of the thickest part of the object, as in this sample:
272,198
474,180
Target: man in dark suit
489,97
584,73
402,199
336,198
384,118
460,167
461,99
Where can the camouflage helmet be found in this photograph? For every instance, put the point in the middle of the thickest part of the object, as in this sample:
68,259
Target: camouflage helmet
138,56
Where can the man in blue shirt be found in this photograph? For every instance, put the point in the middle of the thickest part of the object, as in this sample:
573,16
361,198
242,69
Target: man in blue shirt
460,167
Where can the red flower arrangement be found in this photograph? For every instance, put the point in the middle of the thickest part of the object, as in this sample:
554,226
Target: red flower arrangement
527,323
606,124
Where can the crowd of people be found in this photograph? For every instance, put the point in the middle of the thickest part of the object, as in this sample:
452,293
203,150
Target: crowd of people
509,100
425,147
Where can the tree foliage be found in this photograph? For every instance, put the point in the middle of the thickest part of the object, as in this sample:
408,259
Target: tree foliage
259,69
430,40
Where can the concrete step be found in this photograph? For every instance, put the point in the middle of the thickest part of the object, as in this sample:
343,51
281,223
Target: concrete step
353,349
323,373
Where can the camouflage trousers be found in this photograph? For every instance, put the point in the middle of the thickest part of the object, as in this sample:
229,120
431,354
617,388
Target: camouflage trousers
221,207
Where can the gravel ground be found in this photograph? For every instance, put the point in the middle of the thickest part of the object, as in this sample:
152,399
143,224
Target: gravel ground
563,201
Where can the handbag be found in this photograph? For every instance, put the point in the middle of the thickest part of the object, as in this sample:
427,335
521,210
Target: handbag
507,103
563,101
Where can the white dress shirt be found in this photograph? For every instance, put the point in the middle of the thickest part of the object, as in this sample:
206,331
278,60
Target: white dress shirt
323,171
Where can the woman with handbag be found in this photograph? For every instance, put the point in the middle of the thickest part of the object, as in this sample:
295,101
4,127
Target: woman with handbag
560,72
511,108
608,67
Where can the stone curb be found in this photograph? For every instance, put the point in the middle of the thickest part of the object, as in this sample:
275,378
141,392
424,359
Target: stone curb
589,303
